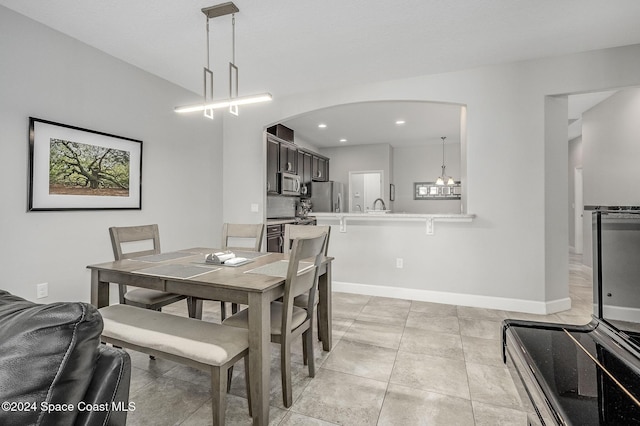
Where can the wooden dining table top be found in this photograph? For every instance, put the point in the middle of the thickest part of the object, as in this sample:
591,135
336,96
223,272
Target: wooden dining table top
233,277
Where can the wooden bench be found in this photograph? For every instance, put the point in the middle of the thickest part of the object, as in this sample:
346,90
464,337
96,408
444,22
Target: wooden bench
200,344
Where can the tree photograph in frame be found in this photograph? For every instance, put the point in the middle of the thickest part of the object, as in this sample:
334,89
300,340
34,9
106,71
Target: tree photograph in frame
71,168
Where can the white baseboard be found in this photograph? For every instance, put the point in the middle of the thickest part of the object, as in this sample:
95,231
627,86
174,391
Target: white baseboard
621,313
488,302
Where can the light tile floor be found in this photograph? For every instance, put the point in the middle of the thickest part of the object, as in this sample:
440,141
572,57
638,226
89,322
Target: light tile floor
394,362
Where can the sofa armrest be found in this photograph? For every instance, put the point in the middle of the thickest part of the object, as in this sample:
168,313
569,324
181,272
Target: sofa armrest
107,398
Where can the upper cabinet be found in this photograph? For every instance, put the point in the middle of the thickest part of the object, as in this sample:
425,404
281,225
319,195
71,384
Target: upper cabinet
320,168
273,164
288,158
305,161
283,156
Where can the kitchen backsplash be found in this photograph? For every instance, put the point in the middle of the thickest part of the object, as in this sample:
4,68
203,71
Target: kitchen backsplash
281,206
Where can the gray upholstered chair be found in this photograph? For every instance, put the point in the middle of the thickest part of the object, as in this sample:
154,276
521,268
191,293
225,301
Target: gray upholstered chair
140,237
238,231
289,321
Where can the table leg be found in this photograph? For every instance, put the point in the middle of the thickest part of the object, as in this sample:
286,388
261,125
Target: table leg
99,290
259,355
324,308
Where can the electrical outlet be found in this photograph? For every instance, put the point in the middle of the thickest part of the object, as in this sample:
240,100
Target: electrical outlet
255,208
399,263
42,290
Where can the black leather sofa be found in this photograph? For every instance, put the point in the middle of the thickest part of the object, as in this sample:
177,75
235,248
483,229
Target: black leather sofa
53,368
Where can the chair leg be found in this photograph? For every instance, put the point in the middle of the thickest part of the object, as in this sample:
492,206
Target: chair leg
194,306
307,348
247,383
285,367
304,349
223,311
235,308
318,321
229,378
218,395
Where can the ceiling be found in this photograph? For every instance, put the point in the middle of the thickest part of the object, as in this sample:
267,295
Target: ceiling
293,46
366,123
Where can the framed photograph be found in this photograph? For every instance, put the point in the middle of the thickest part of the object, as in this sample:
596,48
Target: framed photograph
71,168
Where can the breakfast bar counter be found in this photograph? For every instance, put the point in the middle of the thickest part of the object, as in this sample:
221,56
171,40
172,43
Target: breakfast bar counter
383,216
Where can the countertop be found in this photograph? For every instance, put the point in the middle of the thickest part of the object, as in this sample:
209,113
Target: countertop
278,221
453,216
389,218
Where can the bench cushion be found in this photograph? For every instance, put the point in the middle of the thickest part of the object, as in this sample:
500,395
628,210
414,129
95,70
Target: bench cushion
202,341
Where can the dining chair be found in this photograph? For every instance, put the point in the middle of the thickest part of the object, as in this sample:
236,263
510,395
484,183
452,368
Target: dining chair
289,321
143,240
292,232
236,233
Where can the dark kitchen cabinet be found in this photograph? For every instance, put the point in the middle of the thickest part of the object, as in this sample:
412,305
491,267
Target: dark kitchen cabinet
273,166
305,162
275,238
288,158
320,169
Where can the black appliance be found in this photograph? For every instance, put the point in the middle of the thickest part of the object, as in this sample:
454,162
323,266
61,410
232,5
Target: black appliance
587,374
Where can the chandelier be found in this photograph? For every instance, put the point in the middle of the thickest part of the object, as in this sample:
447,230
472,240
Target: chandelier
233,101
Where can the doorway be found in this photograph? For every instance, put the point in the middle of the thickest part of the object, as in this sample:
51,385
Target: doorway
364,188
578,210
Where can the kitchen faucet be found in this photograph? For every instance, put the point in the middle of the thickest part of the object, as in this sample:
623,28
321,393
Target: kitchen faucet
382,201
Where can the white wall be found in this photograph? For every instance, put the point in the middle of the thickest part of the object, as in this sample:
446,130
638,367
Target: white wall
48,75
424,164
611,150
514,249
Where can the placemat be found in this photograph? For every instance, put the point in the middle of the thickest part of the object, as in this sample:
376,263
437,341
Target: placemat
162,256
278,269
177,271
249,254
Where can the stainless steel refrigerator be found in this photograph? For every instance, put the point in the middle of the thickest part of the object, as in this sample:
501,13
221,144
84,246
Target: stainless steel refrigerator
327,197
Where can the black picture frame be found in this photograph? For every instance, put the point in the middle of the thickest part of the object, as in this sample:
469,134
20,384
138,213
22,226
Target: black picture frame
72,168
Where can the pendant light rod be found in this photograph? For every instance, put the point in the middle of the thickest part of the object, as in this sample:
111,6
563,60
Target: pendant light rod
233,69
443,166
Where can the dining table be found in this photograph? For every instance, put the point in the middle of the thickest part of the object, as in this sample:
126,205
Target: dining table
255,283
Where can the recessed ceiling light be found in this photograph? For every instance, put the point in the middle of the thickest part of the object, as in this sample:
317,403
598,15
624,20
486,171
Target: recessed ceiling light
400,122
322,125
343,140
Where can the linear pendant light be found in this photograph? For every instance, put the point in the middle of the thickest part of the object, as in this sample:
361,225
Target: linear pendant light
233,101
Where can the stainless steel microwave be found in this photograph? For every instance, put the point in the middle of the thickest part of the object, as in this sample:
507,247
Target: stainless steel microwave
289,184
